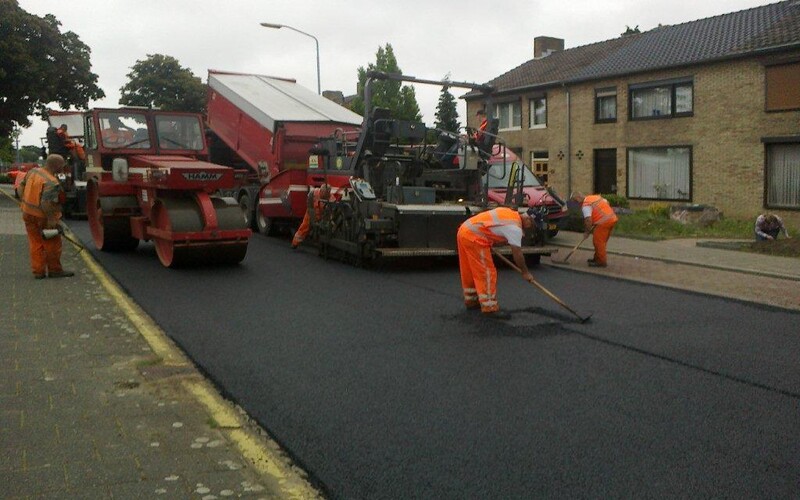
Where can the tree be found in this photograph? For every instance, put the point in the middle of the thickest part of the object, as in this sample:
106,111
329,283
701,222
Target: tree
39,66
401,100
160,82
446,113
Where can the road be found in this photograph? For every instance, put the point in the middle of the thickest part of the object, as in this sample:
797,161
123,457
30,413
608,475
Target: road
381,385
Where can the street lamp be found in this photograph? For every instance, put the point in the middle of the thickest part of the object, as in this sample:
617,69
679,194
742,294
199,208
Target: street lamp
279,26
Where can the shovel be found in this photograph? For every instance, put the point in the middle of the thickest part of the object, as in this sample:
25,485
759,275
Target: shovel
543,289
575,248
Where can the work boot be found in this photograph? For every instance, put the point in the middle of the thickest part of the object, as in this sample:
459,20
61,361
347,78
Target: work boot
39,276
593,263
472,307
61,274
590,260
497,315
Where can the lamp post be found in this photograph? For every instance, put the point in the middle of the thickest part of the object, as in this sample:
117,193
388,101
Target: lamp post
279,26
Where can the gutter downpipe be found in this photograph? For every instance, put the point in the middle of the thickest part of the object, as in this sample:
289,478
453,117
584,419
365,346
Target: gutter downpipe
569,142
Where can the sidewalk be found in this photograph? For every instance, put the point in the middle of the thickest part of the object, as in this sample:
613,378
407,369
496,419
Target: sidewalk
686,251
96,402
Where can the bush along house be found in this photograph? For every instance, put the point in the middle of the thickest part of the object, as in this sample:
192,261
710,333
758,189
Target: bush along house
703,113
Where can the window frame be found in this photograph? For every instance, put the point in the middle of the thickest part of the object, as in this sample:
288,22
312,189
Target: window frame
605,93
690,196
510,105
775,141
532,112
671,85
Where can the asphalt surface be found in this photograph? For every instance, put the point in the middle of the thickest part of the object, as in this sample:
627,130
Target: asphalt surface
380,385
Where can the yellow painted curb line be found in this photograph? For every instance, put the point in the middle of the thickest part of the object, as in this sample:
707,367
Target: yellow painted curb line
269,463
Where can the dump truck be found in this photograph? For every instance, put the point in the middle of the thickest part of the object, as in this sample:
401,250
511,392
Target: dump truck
406,196
148,178
263,127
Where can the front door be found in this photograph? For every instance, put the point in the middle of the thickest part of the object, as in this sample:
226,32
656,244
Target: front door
605,171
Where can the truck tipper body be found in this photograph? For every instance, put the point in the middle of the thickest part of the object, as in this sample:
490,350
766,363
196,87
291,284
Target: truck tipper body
264,127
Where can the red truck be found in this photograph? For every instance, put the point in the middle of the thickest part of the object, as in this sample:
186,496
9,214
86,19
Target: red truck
264,127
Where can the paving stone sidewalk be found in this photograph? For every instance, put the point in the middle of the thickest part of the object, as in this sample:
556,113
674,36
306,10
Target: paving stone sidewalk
87,410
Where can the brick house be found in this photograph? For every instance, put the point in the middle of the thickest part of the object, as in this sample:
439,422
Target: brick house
705,112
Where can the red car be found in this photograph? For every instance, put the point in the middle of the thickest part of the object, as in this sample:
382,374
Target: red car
506,170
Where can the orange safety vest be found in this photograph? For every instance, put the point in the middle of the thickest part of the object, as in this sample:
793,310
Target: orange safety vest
480,225
315,202
37,186
602,213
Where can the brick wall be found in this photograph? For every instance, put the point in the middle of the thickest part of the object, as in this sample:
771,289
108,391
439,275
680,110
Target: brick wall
724,133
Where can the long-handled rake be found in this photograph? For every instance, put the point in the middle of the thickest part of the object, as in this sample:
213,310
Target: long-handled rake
543,289
575,248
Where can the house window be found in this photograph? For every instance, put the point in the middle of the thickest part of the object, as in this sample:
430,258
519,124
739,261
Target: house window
509,114
783,175
783,92
605,107
538,112
661,100
660,173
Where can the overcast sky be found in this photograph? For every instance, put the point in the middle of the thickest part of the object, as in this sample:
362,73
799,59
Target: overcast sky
472,40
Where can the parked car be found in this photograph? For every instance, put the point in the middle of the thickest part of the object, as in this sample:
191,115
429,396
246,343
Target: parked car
507,171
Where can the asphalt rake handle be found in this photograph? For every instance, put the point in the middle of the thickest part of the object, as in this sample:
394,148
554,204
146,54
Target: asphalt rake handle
575,248
543,289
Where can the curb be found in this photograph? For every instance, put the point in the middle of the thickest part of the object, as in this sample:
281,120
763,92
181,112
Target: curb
250,440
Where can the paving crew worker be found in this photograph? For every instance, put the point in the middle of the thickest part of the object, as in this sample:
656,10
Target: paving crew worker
477,136
475,239
598,216
317,198
768,226
41,197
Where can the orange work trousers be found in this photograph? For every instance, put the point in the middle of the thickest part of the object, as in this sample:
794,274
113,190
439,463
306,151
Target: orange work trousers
478,274
600,238
45,254
303,230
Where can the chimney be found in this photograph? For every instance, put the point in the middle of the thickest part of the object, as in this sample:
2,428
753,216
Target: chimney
543,46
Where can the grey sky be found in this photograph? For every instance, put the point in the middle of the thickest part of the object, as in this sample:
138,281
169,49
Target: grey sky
472,40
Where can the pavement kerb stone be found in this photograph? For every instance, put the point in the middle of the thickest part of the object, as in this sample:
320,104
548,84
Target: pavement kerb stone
709,265
251,441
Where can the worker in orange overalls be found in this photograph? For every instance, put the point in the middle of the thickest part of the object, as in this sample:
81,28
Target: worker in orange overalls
317,198
598,216
41,197
475,239
477,137
73,147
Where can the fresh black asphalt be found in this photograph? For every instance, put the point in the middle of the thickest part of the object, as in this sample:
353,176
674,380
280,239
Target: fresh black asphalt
381,385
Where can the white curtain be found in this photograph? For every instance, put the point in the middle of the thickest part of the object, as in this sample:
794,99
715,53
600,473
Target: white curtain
655,101
659,173
784,175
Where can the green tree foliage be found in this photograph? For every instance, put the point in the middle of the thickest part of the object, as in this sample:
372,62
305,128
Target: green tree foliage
401,100
446,112
160,82
39,65
30,154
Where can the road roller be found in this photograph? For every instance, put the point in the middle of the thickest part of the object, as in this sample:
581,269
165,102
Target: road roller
148,179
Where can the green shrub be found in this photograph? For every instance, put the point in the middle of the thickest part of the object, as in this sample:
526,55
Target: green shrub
659,210
617,200
4,179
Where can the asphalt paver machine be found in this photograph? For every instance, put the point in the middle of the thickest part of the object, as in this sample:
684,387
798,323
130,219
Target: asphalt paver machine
410,187
148,179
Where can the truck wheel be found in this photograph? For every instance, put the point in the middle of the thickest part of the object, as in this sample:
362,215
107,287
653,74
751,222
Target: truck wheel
552,233
265,224
533,259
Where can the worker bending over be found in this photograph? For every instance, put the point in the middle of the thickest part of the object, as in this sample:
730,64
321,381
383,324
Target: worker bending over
41,197
475,239
598,216
317,198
